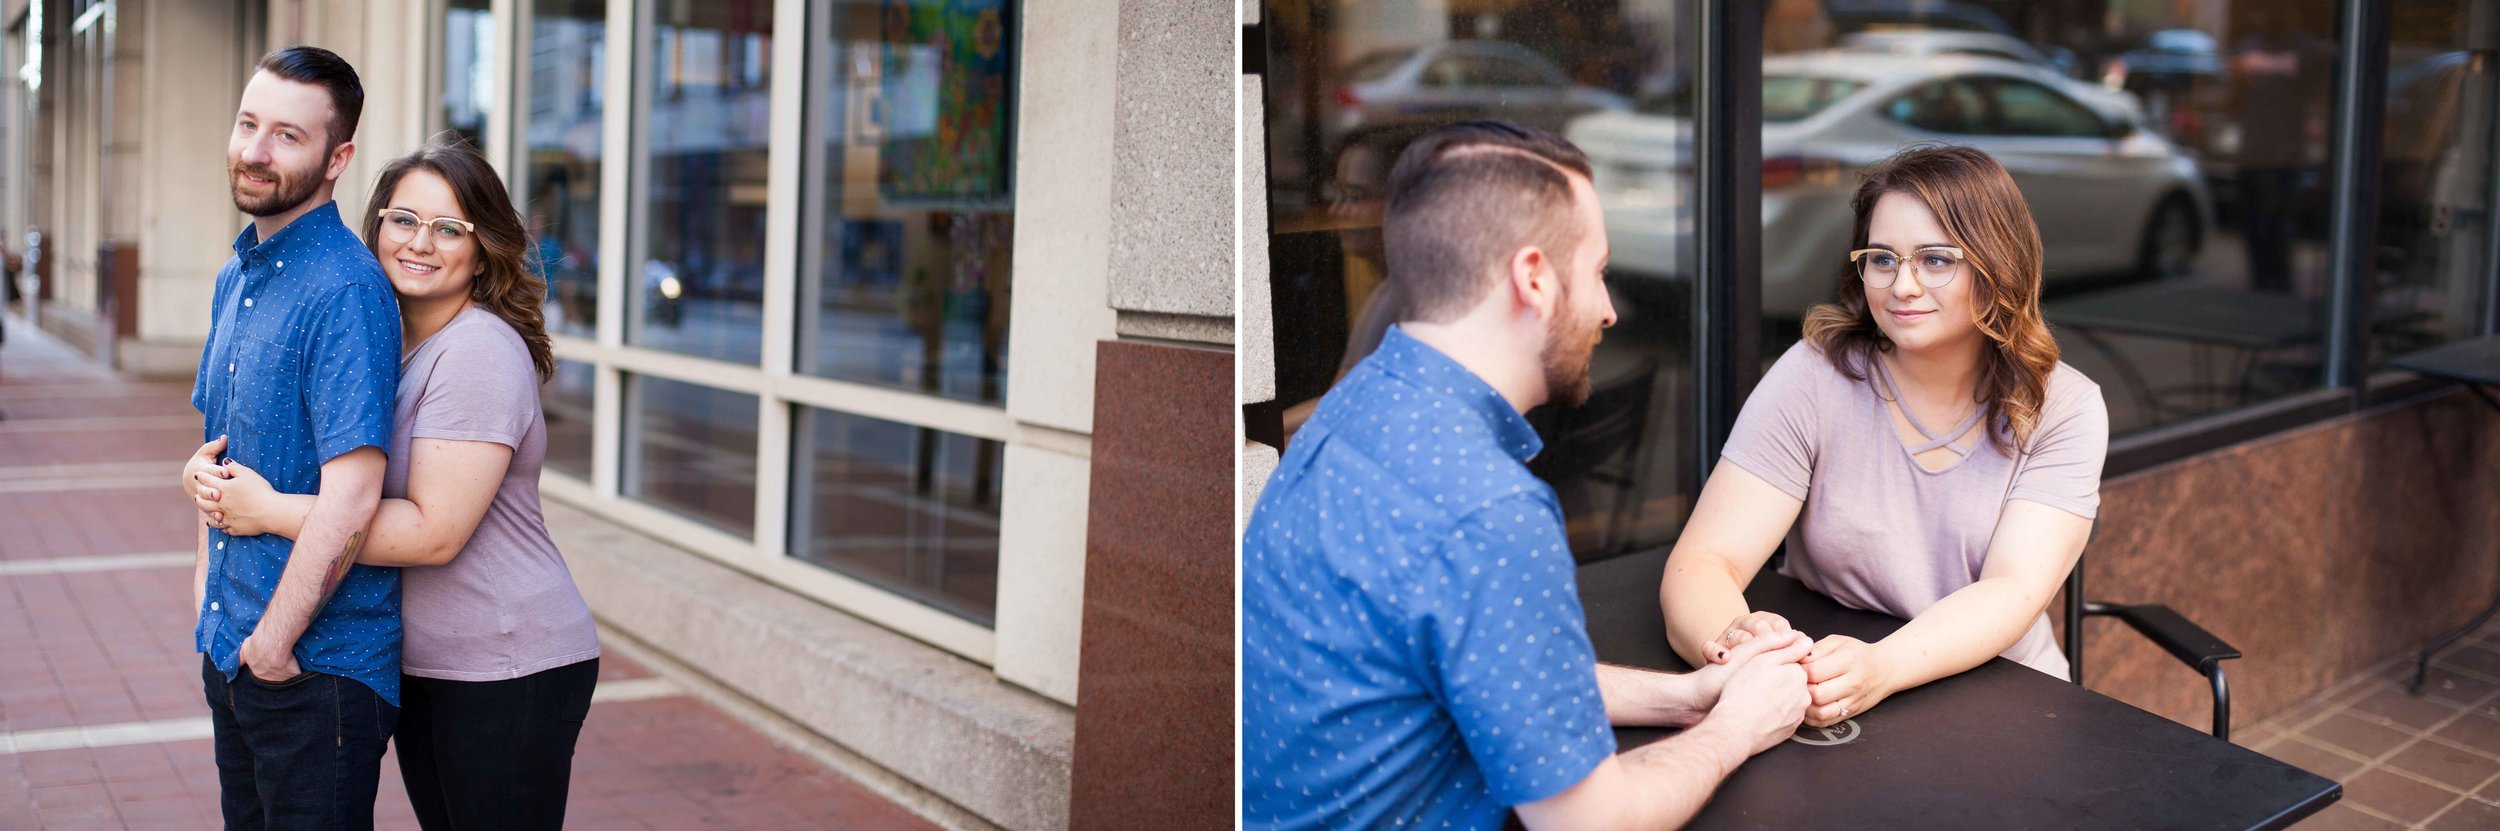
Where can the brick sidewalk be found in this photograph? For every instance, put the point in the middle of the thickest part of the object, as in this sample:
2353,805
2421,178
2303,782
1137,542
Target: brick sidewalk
102,723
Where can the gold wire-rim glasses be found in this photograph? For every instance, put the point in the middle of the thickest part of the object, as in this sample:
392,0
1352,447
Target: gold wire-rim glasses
467,228
1858,258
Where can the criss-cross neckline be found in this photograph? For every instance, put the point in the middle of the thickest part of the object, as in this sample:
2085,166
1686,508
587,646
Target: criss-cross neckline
1890,392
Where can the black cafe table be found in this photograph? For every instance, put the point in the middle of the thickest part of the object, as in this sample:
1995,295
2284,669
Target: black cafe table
1999,747
2476,364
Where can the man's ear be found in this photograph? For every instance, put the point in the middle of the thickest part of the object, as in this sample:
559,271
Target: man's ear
339,157
1530,278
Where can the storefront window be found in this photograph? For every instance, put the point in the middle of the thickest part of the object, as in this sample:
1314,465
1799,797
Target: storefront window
2435,200
561,156
698,279
570,404
912,509
1350,84
691,449
2173,154
467,81
905,270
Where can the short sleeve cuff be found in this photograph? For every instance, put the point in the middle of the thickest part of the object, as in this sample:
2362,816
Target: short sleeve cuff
1768,472
1583,759
505,439
332,448
2086,508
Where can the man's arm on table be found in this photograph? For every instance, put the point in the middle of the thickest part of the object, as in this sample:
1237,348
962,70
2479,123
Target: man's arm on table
351,490
1664,783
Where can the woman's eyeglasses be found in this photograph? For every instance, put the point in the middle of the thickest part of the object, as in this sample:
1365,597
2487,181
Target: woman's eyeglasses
1936,265
449,234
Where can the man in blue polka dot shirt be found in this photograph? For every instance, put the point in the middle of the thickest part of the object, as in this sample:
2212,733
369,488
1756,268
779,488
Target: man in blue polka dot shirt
1413,650
300,645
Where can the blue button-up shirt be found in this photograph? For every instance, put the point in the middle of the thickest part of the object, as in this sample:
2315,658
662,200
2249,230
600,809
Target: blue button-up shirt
1413,651
301,366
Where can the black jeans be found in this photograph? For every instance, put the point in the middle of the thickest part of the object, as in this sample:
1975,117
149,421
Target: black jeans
303,754
493,754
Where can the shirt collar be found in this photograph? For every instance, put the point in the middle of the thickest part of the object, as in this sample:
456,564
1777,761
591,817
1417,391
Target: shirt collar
312,221
1403,357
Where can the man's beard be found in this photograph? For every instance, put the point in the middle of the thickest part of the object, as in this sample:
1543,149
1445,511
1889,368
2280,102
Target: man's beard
285,194
1568,347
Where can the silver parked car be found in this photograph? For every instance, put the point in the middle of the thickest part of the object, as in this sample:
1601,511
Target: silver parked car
2110,197
1457,80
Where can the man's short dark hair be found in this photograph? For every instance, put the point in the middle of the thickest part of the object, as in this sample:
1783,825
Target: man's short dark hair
325,69
1463,198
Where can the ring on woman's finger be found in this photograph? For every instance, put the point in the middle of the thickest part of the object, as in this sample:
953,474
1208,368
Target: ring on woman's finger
1844,712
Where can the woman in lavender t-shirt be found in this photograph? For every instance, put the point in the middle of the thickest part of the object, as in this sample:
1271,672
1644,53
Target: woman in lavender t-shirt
500,655
1932,457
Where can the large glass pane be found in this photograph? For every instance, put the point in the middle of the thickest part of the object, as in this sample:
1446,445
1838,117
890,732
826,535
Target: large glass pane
910,222
691,449
2435,200
700,289
911,509
2173,154
468,70
560,157
1349,84
570,401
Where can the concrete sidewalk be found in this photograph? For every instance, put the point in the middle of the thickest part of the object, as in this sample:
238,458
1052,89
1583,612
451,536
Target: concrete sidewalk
102,722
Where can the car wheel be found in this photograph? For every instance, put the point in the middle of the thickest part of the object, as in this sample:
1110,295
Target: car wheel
2171,241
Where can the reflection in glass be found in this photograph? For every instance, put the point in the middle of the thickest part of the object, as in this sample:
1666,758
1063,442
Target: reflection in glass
700,282
909,214
691,449
911,509
560,160
1349,85
2435,200
2169,153
569,401
468,70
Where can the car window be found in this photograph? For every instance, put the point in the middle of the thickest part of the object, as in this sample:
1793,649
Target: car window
1490,71
1951,106
1446,71
1377,65
1800,97
2028,109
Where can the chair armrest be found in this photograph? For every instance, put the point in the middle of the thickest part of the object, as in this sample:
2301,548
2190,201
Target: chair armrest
2185,640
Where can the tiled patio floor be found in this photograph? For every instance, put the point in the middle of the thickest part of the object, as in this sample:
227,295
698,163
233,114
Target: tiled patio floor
2426,762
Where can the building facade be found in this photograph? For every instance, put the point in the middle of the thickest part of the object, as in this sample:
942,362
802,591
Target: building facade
2248,209
895,335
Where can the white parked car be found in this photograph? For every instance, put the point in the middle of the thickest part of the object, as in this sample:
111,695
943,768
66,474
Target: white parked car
1458,80
2110,197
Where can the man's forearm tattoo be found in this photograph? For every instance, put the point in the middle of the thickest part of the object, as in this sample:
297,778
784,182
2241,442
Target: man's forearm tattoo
338,568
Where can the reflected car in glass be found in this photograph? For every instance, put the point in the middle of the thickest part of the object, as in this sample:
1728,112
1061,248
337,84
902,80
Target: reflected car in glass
1955,42
2112,199
1455,81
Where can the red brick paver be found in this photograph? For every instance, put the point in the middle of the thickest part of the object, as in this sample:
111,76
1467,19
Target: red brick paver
78,449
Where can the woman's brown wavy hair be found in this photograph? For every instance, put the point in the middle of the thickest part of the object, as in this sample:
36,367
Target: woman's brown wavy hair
505,284
1985,215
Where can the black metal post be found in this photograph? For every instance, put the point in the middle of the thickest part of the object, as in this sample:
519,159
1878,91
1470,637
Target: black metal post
2360,117
1727,221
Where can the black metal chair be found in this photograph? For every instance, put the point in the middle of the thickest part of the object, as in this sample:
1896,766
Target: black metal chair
2185,640
1600,442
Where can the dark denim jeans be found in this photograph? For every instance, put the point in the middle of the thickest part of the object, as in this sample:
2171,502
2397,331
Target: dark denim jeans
304,754
492,755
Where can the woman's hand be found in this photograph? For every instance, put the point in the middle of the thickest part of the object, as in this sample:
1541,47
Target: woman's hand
236,499
203,459
1847,677
1747,627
